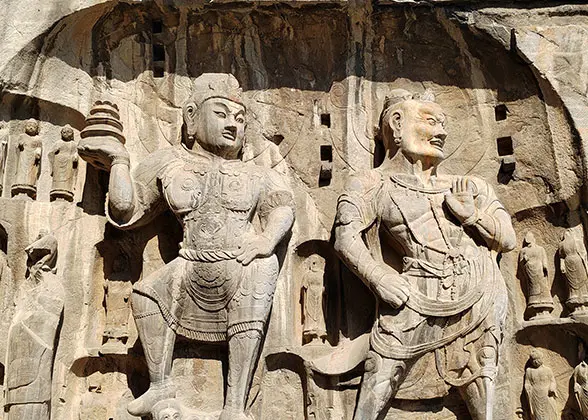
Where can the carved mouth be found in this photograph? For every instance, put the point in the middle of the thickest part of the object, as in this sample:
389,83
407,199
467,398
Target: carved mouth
438,143
229,135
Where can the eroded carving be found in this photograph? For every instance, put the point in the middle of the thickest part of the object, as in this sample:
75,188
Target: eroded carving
63,159
313,291
533,259
3,152
441,315
541,389
32,334
29,148
117,294
221,286
573,264
580,382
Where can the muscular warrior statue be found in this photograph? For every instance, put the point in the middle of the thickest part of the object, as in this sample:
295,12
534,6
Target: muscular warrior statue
446,305
220,287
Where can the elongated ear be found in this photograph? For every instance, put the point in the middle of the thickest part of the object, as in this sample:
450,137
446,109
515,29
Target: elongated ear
396,121
190,112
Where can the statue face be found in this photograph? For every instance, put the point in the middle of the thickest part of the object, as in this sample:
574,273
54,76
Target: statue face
220,127
32,128
67,133
169,414
421,128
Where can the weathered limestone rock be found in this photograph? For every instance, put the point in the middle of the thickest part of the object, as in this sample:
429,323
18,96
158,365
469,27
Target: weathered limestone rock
193,293
33,333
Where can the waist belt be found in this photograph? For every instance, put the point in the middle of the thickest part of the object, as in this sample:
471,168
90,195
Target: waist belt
206,255
425,305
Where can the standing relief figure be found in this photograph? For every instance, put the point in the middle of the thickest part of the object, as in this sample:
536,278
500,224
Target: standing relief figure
29,149
580,379
441,315
541,389
3,152
313,291
220,288
32,335
574,265
64,166
534,262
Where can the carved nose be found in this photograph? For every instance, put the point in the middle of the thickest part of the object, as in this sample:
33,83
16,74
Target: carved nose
441,133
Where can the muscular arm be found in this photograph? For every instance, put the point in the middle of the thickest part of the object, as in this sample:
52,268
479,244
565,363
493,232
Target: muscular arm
278,223
496,230
354,215
121,193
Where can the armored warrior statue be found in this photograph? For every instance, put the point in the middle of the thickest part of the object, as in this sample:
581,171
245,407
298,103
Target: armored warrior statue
221,286
446,305
313,291
29,151
64,166
534,262
541,389
574,265
31,337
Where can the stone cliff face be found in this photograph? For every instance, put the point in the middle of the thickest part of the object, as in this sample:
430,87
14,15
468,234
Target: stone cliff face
315,77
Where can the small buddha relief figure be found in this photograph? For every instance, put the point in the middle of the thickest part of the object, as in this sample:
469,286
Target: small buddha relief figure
117,292
580,378
312,299
541,389
64,166
534,262
3,151
573,264
29,149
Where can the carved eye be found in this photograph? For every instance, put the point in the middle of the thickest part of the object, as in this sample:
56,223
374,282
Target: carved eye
220,114
240,120
432,121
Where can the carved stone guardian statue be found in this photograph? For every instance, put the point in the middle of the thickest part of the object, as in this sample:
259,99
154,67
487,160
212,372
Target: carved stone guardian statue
443,311
220,288
541,389
534,262
574,265
313,291
64,166
32,334
29,149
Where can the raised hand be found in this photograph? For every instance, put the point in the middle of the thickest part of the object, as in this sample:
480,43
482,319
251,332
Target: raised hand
461,199
252,248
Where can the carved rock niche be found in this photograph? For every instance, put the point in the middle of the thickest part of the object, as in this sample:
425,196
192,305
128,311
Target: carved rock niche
237,210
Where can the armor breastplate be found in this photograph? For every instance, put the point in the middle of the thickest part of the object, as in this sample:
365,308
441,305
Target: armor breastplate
215,204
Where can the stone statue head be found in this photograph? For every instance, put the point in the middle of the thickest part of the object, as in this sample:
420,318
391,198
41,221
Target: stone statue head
315,263
214,117
167,410
529,239
42,252
67,133
32,127
536,358
413,126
